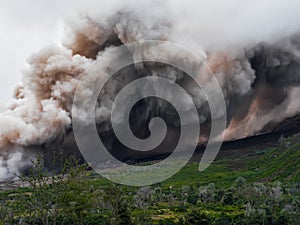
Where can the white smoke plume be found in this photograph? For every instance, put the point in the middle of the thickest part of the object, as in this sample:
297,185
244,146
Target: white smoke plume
252,48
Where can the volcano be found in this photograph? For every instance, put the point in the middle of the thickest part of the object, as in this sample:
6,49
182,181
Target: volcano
257,66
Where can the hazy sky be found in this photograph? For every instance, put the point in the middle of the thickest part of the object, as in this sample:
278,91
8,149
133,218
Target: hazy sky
25,27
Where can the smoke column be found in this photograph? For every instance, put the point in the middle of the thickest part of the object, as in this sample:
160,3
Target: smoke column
253,49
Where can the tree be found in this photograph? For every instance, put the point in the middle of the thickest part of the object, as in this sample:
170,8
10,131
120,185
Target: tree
42,200
143,199
75,199
114,204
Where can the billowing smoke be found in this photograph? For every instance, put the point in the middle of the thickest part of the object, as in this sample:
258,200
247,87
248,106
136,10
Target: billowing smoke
252,48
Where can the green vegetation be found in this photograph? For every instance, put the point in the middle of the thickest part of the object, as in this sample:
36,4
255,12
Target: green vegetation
262,188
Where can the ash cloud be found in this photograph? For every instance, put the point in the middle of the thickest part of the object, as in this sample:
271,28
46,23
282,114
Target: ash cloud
252,48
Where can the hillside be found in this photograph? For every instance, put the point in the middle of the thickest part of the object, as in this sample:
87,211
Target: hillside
261,187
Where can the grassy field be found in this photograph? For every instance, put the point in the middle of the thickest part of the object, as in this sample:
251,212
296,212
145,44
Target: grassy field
278,163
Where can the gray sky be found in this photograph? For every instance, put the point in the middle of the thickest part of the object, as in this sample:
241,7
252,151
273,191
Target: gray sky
25,27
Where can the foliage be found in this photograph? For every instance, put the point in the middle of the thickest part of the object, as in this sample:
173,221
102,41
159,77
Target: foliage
264,190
